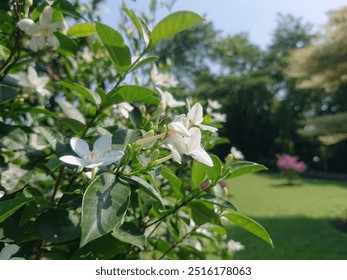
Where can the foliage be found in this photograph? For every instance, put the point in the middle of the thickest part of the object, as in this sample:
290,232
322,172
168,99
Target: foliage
94,163
290,166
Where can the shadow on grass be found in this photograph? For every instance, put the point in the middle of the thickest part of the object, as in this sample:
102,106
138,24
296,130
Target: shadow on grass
296,238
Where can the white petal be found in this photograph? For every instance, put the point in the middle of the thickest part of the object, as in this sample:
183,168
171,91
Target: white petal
95,165
195,140
195,114
37,43
179,128
54,26
32,75
208,128
53,41
29,27
73,160
200,155
46,16
102,144
2,193
44,92
111,157
79,146
175,154
8,251
175,104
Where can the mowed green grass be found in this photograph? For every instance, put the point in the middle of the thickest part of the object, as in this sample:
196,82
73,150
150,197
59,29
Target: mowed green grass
298,218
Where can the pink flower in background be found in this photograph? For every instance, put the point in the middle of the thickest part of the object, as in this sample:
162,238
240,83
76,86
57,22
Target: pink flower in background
291,162
290,166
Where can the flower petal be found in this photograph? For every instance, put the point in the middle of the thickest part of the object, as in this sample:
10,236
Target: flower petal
79,146
175,154
195,140
8,251
53,41
46,16
195,114
37,43
32,75
202,156
29,27
111,157
102,144
179,128
2,193
73,160
208,128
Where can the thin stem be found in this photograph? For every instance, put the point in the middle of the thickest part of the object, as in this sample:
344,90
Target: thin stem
57,182
178,242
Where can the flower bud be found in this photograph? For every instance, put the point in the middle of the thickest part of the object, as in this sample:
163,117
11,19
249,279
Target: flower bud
229,159
155,155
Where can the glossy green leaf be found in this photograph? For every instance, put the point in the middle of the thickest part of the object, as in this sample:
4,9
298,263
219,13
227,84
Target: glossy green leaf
8,207
114,44
249,225
81,30
130,233
211,198
104,206
201,171
124,136
66,8
57,226
144,186
203,213
145,61
7,93
67,46
70,110
132,93
76,126
88,94
173,24
240,168
173,180
137,23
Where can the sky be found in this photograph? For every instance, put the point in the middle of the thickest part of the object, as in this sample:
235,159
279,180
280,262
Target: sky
257,18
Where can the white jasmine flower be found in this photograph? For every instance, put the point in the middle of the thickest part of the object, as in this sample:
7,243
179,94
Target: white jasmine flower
168,100
87,55
124,108
100,156
8,251
162,79
219,117
236,153
214,104
2,193
36,83
42,34
234,246
195,117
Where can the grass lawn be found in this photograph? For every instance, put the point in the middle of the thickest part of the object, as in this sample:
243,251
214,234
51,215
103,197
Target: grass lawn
298,218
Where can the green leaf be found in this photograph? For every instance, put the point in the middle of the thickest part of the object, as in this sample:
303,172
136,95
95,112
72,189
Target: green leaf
14,139
7,93
81,30
145,61
249,225
104,206
135,117
133,17
203,213
130,233
114,44
57,226
67,46
126,136
76,126
66,8
173,180
200,171
15,178
132,93
173,24
8,207
240,168
146,187
53,163
88,94
70,110
211,198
